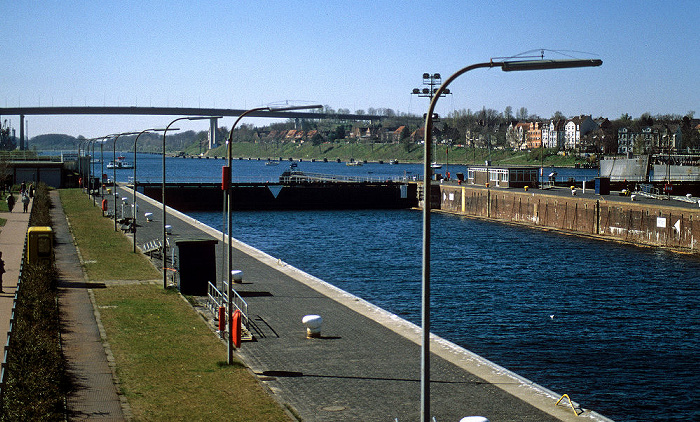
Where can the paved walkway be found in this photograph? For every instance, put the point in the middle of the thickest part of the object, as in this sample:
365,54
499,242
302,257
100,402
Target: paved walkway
12,237
366,365
95,396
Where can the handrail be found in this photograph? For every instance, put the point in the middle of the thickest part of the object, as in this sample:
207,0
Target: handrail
3,364
216,299
296,177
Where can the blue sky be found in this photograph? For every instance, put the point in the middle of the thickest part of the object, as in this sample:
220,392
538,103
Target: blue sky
354,55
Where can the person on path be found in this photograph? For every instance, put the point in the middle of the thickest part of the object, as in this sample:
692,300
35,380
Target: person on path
10,201
2,271
25,201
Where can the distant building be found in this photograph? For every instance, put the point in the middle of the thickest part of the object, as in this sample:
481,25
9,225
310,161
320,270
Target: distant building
553,134
503,177
417,135
534,136
361,132
575,129
625,141
517,135
657,138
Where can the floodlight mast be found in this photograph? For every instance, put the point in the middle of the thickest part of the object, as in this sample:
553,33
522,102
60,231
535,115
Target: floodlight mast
506,66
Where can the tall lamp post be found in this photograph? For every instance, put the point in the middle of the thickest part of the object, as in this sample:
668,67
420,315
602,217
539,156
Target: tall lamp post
226,185
506,66
162,197
91,167
81,167
133,199
114,171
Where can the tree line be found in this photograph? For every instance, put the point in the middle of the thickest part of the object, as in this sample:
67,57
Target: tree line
485,128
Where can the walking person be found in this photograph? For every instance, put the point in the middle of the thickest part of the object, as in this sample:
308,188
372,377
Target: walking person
2,271
25,201
10,201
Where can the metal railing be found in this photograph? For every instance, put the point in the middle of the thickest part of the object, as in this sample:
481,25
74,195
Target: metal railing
217,299
297,177
27,156
3,365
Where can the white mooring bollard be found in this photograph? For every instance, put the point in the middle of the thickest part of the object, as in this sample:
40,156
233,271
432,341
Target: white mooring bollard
237,276
313,325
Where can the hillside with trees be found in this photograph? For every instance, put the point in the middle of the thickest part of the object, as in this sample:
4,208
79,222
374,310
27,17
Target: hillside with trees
462,130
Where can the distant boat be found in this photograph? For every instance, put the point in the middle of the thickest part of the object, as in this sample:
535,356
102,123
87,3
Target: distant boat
436,166
353,163
394,161
120,163
272,163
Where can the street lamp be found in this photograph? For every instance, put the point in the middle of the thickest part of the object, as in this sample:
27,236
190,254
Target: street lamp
506,66
81,167
91,166
226,185
162,198
133,200
114,171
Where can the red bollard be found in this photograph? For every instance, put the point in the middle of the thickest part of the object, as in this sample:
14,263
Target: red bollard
222,319
236,327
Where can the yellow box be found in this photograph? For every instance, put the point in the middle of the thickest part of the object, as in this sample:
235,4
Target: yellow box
40,245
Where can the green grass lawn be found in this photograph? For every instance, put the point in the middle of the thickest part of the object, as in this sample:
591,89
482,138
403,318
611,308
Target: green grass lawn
170,364
107,255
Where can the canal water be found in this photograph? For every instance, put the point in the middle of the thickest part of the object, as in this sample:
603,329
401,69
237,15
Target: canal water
615,327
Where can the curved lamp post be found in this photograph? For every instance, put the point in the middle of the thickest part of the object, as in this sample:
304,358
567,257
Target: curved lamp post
133,199
99,184
81,168
162,198
226,185
506,66
91,167
114,171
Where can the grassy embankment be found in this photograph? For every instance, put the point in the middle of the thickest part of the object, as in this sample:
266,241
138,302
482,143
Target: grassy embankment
386,152
171,366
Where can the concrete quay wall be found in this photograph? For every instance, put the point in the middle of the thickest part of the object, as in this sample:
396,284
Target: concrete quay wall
640,224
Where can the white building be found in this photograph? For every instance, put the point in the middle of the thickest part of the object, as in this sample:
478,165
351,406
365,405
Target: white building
575,129
553,134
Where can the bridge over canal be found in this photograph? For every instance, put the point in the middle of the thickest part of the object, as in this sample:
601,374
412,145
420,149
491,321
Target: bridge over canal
215,114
